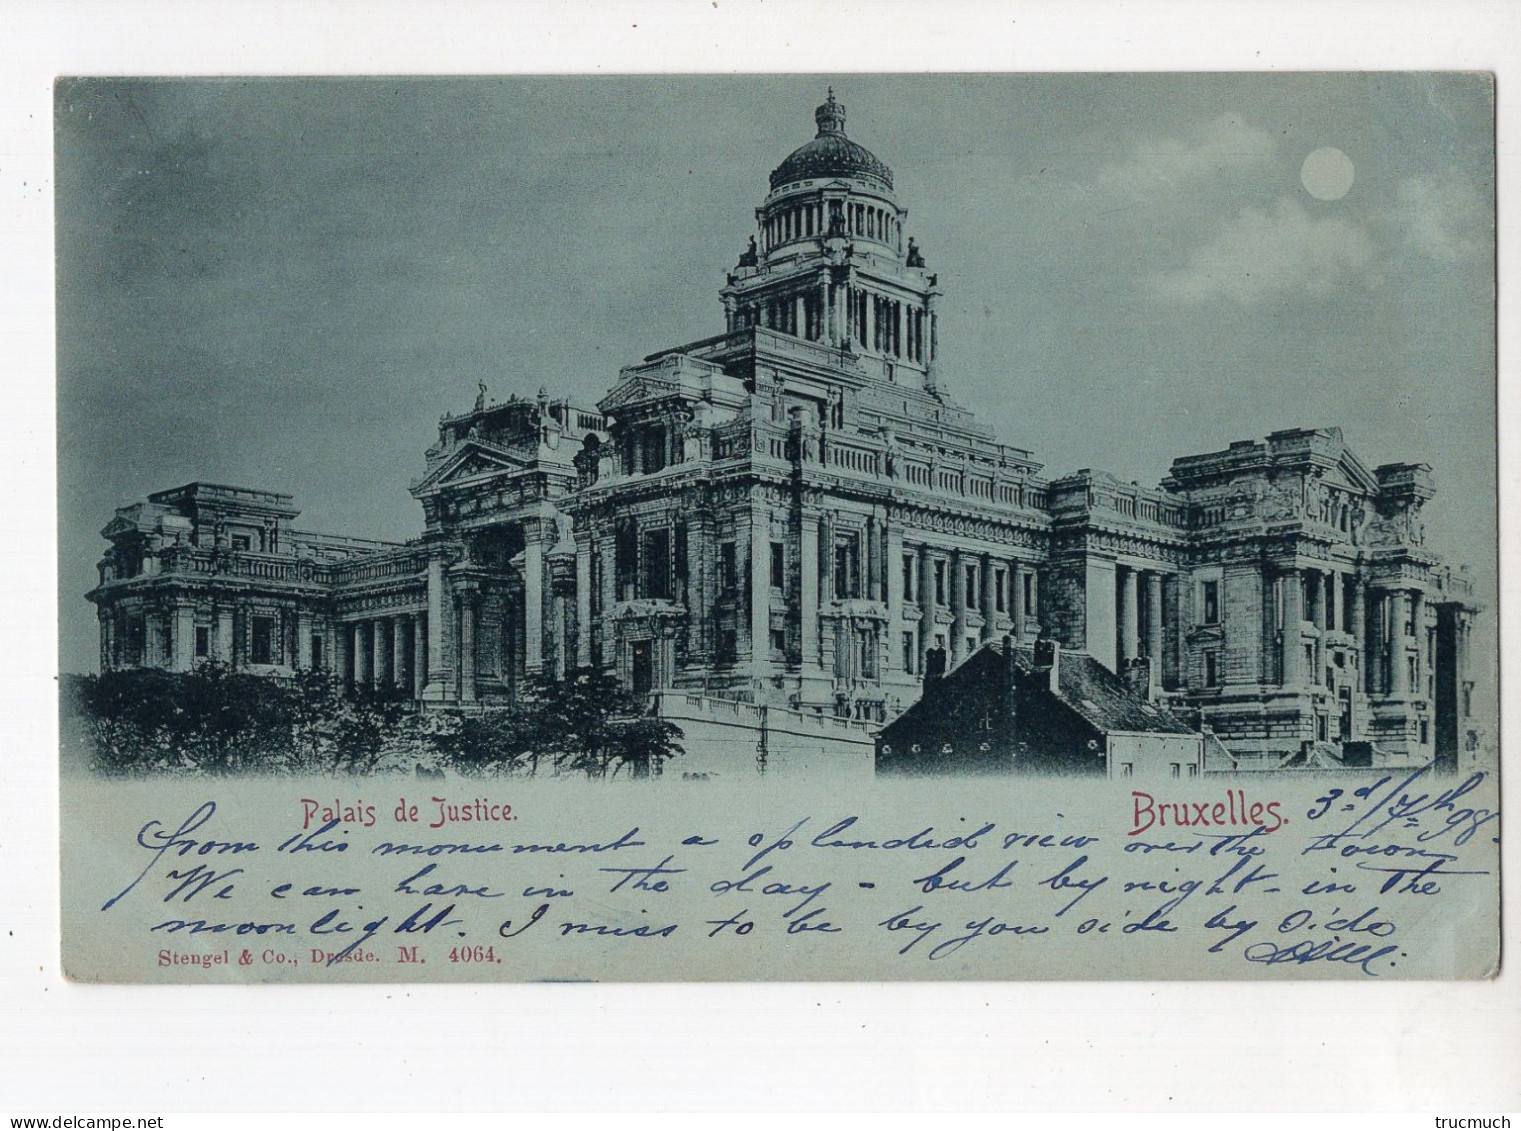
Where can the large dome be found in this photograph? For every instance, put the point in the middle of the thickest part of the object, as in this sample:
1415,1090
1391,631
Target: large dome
831,154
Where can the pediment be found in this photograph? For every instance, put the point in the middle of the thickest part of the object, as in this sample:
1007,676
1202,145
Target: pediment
1207,634
117,527
643,387
1350,474
473,461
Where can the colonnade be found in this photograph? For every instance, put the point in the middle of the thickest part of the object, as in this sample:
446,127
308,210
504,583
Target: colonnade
811,219
1139,627
1000,587
1386,624
837,313
384,652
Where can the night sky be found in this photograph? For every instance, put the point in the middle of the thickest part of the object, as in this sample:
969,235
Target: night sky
283,284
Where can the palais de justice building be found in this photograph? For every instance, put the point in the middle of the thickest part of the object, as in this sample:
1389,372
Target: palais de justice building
796,512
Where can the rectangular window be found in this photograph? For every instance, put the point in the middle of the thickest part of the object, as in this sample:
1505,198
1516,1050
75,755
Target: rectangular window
241,542
847,567
263,644
1028,596
971,645
1415,680
1000,585
1211,669
939,583
728,646
1193,770
657,564
137,639
202,642
1425,732
1211,602
652,444
728,570
910,653
625,559
1127,769
317,663
909,591
778,642
1177,769
867,649
971,587
1330,609
778,566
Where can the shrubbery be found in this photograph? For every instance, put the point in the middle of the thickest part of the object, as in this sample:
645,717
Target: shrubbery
214,720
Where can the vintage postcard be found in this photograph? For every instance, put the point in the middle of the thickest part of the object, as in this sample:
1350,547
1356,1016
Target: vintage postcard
785,527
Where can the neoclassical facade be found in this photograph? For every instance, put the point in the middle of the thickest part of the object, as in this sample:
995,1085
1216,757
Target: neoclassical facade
797,513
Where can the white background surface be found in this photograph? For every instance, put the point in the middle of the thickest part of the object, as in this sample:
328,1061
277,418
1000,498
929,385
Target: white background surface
1448,1048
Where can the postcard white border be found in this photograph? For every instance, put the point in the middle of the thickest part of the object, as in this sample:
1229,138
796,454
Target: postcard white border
1148,1046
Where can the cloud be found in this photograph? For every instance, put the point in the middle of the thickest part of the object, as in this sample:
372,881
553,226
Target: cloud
1262,254
1156,169
1443,220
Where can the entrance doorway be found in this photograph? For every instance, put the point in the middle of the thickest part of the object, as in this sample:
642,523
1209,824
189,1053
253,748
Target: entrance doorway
643,666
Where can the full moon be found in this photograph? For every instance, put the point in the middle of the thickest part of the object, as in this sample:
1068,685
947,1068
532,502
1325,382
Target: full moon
1327,173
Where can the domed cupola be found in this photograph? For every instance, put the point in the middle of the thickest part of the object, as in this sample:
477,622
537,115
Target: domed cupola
831,154
827,264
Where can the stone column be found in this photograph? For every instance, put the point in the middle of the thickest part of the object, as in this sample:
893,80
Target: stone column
894,567
958,609
557,633
1154,626
1359,617
184,638
435,624
826,314
362,654
1130,616
583,598
808,588
533,595
989,599
419,654
925,569
1321,588
870,566
342,643
303,657
1376,642
871,322
1418,628
1399,643
399,653
222,647
760,590
1017,599
800,315
467,660
1293,618
380,673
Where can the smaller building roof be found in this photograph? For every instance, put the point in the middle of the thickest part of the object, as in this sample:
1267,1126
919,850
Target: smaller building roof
1083,684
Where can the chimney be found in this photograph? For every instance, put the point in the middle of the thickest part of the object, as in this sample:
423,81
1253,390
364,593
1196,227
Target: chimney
1048,659
1137,677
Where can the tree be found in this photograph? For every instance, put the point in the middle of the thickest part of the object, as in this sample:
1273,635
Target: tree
211,719
588,723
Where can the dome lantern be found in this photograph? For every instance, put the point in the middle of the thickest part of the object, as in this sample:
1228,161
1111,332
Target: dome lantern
831,154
